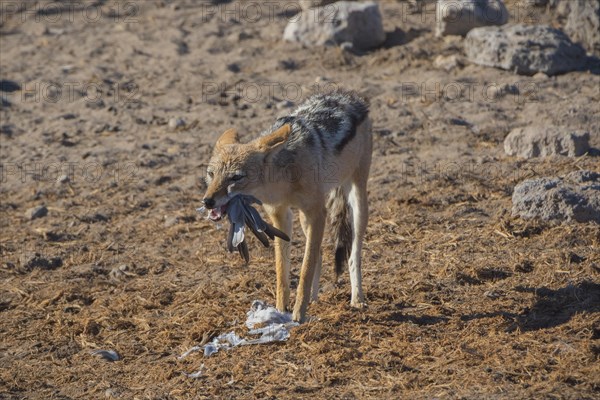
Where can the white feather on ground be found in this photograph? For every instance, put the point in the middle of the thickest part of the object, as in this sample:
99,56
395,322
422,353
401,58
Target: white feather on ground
275,328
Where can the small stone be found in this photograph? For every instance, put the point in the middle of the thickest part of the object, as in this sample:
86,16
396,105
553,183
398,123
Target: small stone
94,217
63,179
244,36
121,272
493,294
498,91
176,123
9,86
234,67
448,63
36,212
284,104
41,262
161,180
171,221
67,69
108,355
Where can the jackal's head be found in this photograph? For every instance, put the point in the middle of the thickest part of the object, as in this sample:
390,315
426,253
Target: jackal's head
237,168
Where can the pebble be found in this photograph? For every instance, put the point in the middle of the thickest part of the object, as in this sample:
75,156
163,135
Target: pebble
171,221
176,123
284,104
108,355
36,212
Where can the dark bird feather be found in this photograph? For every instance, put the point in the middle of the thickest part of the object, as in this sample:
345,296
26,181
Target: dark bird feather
241,214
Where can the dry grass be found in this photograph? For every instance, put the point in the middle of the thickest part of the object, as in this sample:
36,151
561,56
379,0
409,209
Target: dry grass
464,301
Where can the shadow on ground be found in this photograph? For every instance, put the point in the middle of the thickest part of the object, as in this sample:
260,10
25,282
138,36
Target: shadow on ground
552,307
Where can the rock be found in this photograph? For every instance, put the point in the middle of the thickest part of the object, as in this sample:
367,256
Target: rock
284,104
458,17
9,86
36,212
39,261
108,355
535,141
583,24
8,130
576,197
63,179
448,63
94,217
176,123
501,90
171,221
121,272
344,21
233,67
525,49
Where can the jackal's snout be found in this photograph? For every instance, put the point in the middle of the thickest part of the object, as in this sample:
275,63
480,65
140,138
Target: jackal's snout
209,202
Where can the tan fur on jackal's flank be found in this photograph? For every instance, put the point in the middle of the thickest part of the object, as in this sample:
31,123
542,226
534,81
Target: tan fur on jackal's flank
327,142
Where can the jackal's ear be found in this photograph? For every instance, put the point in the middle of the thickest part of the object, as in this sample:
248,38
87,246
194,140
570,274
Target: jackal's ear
275,139
230,136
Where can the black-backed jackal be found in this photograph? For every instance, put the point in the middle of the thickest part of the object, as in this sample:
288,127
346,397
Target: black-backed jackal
316,159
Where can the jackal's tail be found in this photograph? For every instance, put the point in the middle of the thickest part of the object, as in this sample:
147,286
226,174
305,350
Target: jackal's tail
339,216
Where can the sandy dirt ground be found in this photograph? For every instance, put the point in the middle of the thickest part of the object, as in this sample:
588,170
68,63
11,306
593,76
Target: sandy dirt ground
464,300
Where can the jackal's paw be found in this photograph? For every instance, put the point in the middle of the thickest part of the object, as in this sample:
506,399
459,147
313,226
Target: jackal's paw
297,317
282,308
359,305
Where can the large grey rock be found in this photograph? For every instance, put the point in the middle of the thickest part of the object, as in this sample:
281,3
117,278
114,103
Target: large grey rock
583,24
525,49
573,198
337,23
458,17
536,141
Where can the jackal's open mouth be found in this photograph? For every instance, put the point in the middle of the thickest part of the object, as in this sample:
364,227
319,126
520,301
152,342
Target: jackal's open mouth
217,213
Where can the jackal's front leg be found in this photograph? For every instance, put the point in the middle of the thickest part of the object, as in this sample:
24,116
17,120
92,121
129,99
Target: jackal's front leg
282,220
315,225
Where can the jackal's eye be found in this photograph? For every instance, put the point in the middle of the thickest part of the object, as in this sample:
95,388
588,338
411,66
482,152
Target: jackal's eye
237,177
210,174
